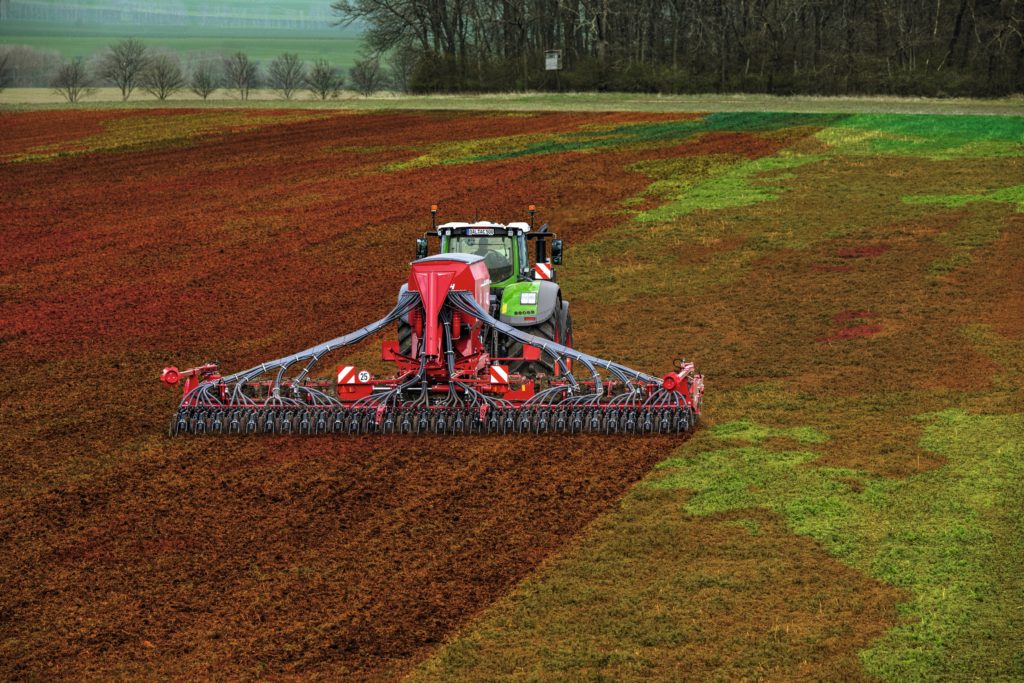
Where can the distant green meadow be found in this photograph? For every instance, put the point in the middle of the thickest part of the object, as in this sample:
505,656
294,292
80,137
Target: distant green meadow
341,48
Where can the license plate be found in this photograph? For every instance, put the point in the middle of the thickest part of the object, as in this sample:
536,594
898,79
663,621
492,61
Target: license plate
479,231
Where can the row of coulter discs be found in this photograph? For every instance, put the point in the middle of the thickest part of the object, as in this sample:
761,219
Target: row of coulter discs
433,420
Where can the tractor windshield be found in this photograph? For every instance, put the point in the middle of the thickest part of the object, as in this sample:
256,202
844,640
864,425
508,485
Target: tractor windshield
498,253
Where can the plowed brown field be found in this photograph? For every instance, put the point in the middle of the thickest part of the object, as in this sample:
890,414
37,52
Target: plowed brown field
132,554
343,557
849,283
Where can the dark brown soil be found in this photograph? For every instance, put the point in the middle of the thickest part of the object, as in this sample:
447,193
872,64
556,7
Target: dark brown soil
866,251
855,332
746,600
247,558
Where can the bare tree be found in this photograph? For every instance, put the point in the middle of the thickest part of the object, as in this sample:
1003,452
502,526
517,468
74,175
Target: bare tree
367,76
286,74
72,80
205,79
324,80
241,74
5,72
28,67
402,62
163,77
124,64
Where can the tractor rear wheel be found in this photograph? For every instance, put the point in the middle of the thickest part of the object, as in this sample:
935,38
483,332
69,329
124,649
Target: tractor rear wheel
531,368
557,328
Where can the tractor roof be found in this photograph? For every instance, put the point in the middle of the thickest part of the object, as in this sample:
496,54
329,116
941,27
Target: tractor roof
453,256
455,225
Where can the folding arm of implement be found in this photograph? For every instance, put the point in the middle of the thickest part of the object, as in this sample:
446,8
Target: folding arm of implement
447,384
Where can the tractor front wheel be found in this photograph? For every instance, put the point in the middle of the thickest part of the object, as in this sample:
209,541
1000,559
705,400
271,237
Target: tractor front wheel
404,337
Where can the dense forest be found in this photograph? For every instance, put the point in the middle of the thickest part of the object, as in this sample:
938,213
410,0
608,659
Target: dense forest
905,47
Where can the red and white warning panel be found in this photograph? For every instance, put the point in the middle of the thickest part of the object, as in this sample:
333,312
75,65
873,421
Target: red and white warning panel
499,374
542,271
348,374
353,383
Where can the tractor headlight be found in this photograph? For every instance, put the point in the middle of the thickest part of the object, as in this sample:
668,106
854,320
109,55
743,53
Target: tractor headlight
528,298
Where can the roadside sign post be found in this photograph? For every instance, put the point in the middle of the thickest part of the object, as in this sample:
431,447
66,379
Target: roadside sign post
553,62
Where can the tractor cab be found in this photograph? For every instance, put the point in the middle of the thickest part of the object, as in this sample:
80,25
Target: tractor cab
523,294
502,246
500,252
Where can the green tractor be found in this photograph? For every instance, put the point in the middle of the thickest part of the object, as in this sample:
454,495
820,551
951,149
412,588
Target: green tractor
523,294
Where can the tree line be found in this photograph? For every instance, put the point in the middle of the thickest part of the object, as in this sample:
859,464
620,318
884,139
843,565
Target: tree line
832,47
130,65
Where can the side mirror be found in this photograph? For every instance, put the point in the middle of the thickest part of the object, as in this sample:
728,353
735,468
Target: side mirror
421,247
556,252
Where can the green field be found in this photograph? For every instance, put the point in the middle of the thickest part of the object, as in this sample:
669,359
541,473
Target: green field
191,15
106,97
339,47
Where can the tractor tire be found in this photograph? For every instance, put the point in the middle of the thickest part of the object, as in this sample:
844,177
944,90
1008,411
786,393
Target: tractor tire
531,368
557,328
404,337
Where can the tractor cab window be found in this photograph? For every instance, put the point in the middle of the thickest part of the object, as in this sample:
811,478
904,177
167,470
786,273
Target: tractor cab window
498,253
